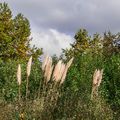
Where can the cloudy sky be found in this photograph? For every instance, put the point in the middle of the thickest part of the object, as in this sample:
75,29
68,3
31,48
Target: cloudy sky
54,22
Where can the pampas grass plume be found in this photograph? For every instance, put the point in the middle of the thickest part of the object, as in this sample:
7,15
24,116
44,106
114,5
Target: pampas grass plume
64,75
100,77
70,62
48,69
66,69
62,70
97,77
45,62
19,74
29,66
57,71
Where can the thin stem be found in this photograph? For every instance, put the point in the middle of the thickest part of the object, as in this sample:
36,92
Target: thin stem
19,92
19,100
27,87
94,92
44,88
39,89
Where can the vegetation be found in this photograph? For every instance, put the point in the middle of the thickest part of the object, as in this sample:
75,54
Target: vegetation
49,94
14,36
82,84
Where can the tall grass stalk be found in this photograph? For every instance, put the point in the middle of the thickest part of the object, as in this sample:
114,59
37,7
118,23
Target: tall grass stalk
56,72
47,69
52,92
28,74
19,80
65,70
19,87
97,78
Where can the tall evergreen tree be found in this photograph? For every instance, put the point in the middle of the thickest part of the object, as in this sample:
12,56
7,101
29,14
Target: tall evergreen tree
15,36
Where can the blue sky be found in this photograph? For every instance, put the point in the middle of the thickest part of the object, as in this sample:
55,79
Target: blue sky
54,22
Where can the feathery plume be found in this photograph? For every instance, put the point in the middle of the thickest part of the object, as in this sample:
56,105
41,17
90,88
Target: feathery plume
100,77
66,69
48,69
57,71
45,62
70,62
64,75
61,72
29,66
28,74
96,77
49,73
19,74
47,66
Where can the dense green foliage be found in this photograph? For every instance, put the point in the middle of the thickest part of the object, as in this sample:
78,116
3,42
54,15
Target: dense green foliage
74,100
14,35
97,52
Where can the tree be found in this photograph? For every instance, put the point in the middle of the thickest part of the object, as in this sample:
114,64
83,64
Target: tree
111,44
15,36
84,44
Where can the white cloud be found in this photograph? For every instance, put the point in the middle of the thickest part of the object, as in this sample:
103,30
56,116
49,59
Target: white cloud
51,41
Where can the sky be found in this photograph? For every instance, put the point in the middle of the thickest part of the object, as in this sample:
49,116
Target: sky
55,22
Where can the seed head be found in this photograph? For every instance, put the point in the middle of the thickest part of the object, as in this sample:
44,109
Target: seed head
48,69
29,66
45,62
19,74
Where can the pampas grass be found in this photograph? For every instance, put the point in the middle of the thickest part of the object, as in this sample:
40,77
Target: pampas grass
29,64
48,69
56,75
70,62
97,78
64,75
19,79
60,71
65,70
45,62
19,74
57,71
